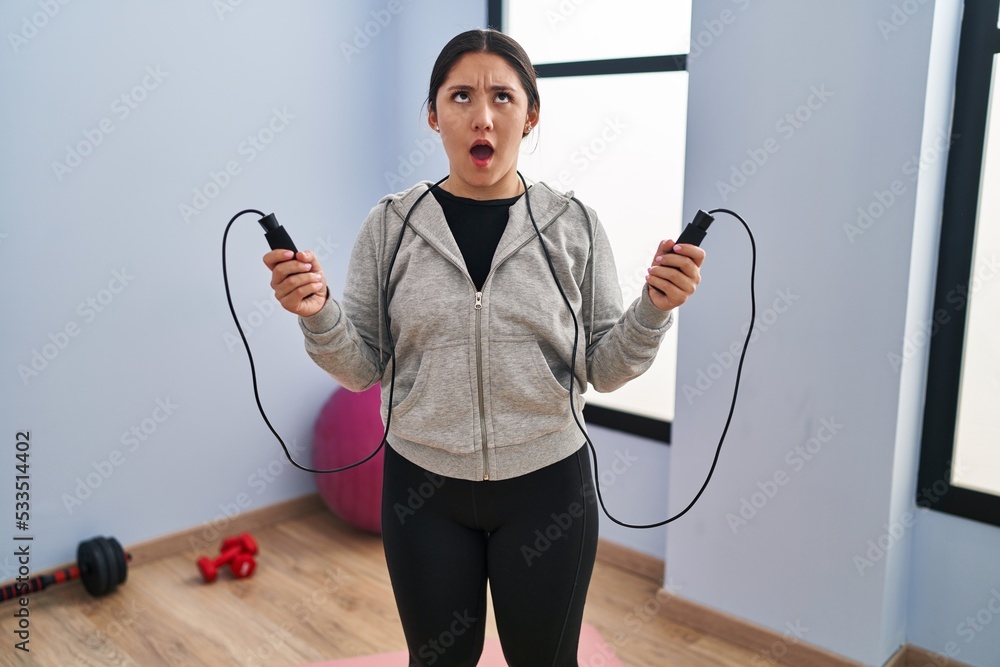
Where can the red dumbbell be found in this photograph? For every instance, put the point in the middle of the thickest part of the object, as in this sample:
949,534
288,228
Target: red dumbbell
238,552
243,541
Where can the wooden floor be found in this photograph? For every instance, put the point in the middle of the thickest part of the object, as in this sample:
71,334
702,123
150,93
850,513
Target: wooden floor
321,591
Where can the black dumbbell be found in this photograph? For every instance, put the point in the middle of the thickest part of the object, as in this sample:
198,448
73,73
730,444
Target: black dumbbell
101,564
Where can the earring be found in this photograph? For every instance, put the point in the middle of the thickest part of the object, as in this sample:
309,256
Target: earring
437,128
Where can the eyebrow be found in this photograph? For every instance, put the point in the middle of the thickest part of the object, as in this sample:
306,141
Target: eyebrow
466,88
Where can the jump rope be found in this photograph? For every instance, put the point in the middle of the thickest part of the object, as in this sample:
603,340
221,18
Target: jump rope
692,234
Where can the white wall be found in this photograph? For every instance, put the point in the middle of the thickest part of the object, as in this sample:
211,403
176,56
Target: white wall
955,589
828,310
163,334
840,303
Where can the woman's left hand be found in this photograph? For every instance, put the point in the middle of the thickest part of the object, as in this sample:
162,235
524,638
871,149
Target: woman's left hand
674,275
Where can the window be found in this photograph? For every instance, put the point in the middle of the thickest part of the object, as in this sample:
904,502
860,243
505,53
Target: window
613,84
960,457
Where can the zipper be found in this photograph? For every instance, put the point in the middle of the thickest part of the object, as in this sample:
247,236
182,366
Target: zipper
479,352
479,344
479,379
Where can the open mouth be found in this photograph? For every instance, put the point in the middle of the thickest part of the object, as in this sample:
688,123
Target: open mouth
481,154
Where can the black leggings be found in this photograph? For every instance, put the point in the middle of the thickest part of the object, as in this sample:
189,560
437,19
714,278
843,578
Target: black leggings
534,537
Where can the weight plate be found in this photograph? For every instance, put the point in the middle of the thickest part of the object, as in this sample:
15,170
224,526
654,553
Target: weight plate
120,560
94,572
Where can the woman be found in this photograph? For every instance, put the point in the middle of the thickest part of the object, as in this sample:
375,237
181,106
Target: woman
486,473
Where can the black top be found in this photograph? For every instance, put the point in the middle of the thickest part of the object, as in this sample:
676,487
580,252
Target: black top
477,227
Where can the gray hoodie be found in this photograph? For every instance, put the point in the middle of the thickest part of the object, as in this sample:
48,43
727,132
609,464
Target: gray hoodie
482,378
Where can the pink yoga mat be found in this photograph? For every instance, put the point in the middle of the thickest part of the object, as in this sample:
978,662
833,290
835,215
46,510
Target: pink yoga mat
594,652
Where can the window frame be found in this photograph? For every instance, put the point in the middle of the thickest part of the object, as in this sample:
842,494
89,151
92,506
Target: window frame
646,427
979,42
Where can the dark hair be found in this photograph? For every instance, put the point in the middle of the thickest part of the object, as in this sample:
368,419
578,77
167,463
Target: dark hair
484,41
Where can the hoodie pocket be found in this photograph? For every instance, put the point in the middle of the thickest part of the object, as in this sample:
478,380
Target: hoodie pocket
526,399
437,411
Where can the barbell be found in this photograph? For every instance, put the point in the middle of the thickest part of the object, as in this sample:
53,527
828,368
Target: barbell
101,564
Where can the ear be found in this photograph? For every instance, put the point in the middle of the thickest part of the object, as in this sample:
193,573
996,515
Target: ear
432,119
533,116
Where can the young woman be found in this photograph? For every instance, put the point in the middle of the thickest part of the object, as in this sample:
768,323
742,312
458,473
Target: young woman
486,473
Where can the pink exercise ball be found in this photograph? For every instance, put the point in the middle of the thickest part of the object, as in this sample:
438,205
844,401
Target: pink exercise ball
348,429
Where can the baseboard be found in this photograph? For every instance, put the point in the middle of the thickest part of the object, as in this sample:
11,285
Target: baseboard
911,656
899,658
772,646
207,537
744,633
918,657
782,647
719,624
630,560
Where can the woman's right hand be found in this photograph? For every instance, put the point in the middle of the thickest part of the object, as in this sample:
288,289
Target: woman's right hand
298,281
